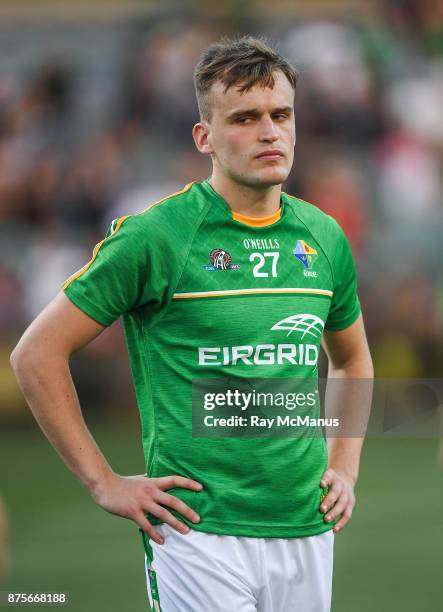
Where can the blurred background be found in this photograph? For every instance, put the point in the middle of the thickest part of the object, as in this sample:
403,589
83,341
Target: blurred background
96,111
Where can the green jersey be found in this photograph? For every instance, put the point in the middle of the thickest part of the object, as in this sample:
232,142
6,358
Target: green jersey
206,295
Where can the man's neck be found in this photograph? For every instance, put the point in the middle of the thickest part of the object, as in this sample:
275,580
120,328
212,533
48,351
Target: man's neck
247,201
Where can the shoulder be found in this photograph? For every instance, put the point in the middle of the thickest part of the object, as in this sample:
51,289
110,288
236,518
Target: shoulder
322,226
310,214
172,218
184,206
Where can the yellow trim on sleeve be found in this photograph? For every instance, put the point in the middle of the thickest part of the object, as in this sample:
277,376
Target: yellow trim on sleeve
117,227
94,253
177,193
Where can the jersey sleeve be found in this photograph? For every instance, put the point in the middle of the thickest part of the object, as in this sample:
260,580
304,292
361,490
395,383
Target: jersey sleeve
345,305
118,278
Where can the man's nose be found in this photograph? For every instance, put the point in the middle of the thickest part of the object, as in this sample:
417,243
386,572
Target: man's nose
268,131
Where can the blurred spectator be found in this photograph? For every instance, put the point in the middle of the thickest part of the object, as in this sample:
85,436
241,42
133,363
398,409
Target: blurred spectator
335,187
49,262
336,94
410,186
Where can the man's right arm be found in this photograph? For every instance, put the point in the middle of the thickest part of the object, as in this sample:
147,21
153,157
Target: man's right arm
41,364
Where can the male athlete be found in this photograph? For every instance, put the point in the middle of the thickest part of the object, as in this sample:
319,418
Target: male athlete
227,280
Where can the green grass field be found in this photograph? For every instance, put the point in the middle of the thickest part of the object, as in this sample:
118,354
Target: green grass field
389,559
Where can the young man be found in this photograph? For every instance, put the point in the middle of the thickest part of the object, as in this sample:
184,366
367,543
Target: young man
226,280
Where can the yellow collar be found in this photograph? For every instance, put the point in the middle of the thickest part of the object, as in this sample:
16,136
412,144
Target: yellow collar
257,222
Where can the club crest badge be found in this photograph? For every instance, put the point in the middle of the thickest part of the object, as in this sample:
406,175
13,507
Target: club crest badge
220,260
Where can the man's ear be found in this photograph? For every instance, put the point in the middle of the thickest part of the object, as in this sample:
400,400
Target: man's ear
201,133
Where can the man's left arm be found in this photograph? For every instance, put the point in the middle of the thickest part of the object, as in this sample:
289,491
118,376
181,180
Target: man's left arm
349,359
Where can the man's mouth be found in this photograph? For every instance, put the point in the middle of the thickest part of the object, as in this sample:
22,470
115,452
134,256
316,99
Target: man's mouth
271,154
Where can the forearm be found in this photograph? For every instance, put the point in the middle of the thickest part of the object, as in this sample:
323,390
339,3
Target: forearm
47,385
351,400
344,454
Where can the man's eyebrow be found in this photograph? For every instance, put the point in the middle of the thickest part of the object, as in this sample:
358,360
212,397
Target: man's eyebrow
255,112
243,111
283,109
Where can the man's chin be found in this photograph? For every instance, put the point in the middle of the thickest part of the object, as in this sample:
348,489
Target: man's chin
270,179
264,179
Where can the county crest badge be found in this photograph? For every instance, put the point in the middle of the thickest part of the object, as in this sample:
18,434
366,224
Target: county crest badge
307,255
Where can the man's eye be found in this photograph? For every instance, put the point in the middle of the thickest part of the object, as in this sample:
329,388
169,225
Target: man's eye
281,116
243,119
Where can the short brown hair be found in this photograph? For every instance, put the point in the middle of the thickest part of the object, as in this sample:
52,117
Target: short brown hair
244,62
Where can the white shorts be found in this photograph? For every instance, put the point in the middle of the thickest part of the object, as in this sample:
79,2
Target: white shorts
205,572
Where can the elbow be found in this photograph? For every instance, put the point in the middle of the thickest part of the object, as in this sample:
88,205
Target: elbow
32,356
17,358
21,359
14,358
358,367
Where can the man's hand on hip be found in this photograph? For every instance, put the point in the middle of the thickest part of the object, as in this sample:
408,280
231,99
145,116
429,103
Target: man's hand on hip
340,499
133,497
